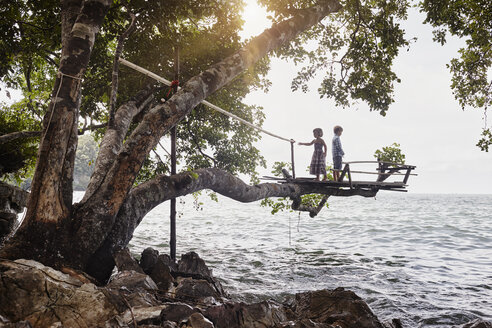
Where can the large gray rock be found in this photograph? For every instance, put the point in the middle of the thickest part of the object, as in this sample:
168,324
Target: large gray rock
161,274
125,262
177,312
240,315
148,259
335,307
136,289
192,264
30,291
197,320
197,290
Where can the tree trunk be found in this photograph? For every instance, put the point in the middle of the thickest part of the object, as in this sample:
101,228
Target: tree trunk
45,231
85,235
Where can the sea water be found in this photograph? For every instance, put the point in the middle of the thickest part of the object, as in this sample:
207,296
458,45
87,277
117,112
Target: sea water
426,259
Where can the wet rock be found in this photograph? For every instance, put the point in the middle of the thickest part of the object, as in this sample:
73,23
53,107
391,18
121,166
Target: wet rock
177,312
142,316
194,290
161,274
335,307
148,259
136,289
191,263
169,324
20,324
394,323
125,261
32,294
192,266
167,260
478,323
235,315
30,291
197,320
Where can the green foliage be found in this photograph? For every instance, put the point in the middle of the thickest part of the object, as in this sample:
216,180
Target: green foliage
204,31
471,81
355,50
486,140
391,154
17,157
284,204
472,21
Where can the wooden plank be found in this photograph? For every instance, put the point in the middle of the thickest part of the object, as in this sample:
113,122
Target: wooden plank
387,173
345,169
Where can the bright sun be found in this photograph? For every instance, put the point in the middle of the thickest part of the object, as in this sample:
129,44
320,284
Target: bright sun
255,20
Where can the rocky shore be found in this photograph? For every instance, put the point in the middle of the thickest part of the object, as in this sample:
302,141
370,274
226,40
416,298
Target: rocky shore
157,292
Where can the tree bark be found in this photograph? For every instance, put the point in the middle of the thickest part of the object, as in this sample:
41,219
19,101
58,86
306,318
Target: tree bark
46,225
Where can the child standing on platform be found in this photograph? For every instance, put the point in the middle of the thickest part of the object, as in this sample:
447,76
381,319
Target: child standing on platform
337,152
318,161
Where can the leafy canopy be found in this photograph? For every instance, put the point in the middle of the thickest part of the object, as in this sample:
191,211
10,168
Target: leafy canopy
353,50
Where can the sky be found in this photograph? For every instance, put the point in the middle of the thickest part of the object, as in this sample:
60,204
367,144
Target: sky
434,133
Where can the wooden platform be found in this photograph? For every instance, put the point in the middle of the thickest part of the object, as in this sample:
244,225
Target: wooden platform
383,171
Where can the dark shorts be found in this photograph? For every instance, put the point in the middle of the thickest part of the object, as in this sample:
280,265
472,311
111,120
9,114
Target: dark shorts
337,162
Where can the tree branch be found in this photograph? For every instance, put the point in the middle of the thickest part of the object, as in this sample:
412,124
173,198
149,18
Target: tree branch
19,135
163,117
112,141
35,134
116,65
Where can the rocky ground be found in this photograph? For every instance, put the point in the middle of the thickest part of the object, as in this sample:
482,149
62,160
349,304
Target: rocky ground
157,292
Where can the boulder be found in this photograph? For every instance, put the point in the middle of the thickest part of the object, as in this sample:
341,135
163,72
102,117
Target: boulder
394,323
197,320
135,289
148,259
161,274
236,315
142,316
30,291
177,312
196,290
125,261
166,259
335,307
192,264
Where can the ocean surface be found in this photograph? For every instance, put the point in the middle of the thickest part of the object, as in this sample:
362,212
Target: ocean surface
426,259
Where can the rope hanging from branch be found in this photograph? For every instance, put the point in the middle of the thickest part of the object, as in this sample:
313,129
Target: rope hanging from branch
206,103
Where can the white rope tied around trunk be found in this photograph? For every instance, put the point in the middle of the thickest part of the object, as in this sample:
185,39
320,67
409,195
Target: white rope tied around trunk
55,100
206,103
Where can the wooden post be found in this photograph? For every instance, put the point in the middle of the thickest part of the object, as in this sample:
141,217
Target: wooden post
172,241
344,171
405,179
292,159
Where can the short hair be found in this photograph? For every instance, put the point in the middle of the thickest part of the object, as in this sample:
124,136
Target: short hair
319,131
337,129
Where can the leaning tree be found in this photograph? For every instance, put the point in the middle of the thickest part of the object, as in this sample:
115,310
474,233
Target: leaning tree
85,235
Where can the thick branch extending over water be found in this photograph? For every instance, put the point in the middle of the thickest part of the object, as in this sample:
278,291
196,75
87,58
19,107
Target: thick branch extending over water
148,195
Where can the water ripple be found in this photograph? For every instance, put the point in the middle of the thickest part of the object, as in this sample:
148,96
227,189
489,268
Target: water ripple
426,259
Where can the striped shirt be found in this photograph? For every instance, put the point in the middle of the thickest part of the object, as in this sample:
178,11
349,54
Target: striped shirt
336,146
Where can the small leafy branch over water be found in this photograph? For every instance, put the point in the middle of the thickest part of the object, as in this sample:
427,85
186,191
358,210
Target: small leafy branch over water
390,154
281,204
